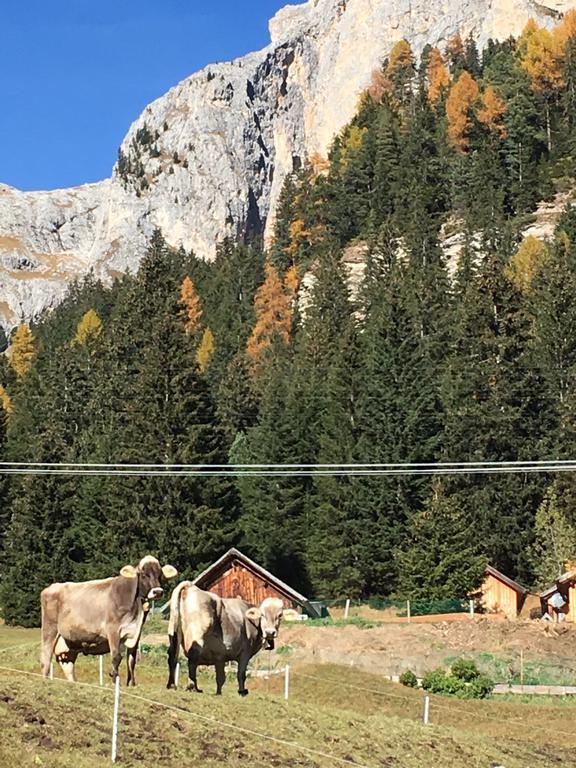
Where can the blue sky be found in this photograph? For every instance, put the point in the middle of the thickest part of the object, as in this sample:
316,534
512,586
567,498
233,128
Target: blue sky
76,73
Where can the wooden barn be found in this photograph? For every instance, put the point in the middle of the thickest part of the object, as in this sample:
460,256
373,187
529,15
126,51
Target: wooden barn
501,594
235,575
559,600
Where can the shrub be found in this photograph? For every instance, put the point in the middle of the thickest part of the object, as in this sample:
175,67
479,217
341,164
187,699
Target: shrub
434,681
465,670
409,679
482,686
465,682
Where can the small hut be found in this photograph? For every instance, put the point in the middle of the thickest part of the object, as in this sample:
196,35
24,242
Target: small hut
236,575
500,594
558,602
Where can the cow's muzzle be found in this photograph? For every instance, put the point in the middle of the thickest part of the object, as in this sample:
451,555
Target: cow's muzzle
269,639
155,593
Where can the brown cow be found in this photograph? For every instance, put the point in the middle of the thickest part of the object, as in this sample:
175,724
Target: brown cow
213,630
101,616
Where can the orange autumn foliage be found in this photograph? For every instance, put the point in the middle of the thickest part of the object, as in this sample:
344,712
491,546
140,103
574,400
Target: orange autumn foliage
438,76
541,57
191,308
273,315
461,100
492,112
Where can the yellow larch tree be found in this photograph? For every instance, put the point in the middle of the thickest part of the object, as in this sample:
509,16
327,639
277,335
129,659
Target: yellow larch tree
205,350
273,314
89,328
191,307
292,280
492,112
22,350
5,400
461,100
541,56
438,76
525,264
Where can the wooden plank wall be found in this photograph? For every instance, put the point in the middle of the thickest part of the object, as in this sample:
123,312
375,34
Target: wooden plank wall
238,581
497,596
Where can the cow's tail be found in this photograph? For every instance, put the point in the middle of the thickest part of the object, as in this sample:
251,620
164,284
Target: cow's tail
174,633
174,624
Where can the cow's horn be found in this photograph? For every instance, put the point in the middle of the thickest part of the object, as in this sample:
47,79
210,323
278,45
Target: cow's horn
254,615
169,572
129,572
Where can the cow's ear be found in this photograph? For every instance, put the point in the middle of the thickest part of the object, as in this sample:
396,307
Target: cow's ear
169,572
129,572
254,615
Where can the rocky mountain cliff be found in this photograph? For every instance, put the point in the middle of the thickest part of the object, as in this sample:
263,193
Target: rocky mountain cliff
208,159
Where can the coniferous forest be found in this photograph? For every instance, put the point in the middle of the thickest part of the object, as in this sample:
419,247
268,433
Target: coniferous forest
275,356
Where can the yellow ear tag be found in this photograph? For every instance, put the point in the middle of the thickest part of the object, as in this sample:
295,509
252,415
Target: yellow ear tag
146,605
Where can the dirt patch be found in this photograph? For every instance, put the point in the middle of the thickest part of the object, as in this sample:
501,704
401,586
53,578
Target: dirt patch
391,648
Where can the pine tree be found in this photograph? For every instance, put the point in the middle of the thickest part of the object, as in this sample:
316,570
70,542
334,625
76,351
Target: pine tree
555,539
439,559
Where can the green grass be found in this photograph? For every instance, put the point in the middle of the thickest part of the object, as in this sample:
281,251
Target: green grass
338,711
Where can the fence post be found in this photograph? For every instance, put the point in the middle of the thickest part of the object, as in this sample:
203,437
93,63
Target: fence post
472,608
115,720
408,609
286,681
101,670
347,609
521,666
177,675
426,710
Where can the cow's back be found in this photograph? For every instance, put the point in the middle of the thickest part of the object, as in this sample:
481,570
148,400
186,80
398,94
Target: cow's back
79,609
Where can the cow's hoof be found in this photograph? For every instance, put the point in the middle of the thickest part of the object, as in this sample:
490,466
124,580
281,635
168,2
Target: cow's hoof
243,693
194,689
171,686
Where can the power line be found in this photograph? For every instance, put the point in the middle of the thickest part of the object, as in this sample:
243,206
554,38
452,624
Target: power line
286,470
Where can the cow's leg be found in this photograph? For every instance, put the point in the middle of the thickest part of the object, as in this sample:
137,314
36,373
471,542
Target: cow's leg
220,676
115,654
67,661
242,667
172,660
49,638
193,660
131,655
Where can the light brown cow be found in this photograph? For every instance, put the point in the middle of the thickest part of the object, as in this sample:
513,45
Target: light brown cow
213,630
102,616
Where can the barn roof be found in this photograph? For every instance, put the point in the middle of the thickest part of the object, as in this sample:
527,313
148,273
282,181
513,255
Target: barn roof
506,580
216,569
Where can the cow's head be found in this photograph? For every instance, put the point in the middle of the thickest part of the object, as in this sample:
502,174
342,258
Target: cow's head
267,618
149,572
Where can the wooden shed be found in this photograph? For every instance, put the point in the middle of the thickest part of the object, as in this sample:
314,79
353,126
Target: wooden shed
236,575
559,600
500,594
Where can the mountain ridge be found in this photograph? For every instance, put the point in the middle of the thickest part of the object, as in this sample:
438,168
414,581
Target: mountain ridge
207,159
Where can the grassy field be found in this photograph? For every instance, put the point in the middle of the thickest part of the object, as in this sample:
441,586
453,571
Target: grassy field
335,716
